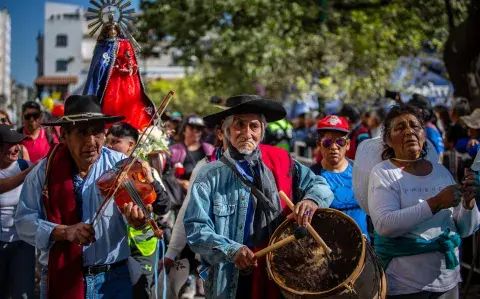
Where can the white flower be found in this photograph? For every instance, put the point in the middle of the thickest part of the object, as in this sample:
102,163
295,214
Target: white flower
157,140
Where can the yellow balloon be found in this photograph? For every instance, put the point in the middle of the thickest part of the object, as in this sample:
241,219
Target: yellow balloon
48,102
56,95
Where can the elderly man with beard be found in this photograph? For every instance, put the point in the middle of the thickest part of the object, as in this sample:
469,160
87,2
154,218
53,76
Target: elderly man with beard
234,206
58,201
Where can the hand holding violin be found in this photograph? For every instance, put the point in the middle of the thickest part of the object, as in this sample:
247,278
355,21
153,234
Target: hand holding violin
147,171
135,216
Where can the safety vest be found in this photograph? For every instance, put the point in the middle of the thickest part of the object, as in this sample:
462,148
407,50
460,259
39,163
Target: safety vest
282,131
146,243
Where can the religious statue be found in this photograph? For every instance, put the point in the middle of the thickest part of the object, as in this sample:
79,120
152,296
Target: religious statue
114,74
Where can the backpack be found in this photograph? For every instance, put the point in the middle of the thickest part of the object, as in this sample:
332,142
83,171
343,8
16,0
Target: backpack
173,188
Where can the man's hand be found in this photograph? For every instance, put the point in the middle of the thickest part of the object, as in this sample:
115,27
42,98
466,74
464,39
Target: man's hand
168,265
244,258
304,211
135,216
81,233
147,171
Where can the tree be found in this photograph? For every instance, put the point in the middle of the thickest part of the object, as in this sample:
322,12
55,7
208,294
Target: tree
234,43
462,53
190,95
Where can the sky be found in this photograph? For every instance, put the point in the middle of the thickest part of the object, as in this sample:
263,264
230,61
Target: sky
27,17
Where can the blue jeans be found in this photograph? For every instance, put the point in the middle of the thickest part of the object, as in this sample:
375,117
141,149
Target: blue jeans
17,270
115,283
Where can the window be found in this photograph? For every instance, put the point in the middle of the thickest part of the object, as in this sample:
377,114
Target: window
62,40
62,65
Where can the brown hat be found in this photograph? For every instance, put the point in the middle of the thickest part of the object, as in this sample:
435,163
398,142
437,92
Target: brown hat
473,120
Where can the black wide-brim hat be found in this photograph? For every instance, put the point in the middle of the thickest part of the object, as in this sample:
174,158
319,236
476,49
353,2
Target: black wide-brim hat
247,104
83,108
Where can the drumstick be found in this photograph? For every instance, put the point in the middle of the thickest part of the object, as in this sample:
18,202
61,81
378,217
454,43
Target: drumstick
310,228
300,232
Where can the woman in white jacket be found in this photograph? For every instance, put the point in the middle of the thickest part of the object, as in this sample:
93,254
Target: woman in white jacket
418,212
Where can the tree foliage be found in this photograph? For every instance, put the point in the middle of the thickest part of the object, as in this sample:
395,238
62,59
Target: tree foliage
352,45
190,95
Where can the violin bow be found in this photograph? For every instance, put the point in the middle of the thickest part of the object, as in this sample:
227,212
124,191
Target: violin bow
110,195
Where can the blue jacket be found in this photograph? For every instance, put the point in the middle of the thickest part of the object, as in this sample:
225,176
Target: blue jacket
215,220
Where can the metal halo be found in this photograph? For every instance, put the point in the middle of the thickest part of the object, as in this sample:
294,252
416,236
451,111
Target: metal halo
96,14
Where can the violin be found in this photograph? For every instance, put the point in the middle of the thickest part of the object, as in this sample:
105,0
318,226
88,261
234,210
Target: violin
134,187
126,181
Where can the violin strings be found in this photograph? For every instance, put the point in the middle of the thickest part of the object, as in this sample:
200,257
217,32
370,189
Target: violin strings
135,196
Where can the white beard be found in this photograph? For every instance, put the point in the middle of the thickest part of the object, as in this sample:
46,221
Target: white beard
245,151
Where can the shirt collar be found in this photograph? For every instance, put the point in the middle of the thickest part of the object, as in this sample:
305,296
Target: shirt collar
40,136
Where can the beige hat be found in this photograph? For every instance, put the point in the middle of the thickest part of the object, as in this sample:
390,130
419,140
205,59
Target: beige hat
473,120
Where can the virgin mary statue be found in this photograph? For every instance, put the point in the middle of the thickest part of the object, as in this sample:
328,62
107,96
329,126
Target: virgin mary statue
114,74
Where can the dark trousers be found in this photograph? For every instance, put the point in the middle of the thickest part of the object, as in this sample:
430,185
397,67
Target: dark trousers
17,270
244,287
142,289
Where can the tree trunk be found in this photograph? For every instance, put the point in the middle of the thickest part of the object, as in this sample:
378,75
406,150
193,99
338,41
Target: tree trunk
462,57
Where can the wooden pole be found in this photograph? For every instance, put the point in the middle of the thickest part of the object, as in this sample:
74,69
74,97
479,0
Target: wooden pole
310,228
275,246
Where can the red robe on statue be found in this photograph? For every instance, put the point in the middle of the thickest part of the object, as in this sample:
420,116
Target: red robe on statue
124,93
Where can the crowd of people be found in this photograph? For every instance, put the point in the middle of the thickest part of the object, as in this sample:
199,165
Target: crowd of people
217,196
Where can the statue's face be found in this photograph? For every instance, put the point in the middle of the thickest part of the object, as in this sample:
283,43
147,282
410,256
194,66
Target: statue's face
112,31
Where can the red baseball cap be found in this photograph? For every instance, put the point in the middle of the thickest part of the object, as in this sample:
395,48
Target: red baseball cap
333,123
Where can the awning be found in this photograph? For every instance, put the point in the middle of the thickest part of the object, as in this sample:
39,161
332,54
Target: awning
56,80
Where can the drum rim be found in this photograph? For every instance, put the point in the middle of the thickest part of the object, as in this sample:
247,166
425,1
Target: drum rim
347,283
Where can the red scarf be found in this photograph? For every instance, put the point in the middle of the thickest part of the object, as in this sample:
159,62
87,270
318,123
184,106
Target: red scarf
280,164
65,263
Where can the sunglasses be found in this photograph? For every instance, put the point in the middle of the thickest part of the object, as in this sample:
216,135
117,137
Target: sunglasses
29,116
3,120
327,142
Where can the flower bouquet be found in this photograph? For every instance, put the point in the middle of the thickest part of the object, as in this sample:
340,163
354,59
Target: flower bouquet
156,141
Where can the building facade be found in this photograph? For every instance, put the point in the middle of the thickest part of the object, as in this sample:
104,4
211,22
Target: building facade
59,49
66,48
5,60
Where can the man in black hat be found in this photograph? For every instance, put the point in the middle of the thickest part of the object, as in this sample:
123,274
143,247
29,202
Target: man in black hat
59,199
234,204
17,258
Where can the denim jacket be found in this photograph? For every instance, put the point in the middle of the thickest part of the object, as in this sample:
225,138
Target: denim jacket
215,218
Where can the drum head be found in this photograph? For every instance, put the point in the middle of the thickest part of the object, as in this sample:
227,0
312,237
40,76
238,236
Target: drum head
302,267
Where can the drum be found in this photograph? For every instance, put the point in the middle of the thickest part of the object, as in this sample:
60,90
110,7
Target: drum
303,270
